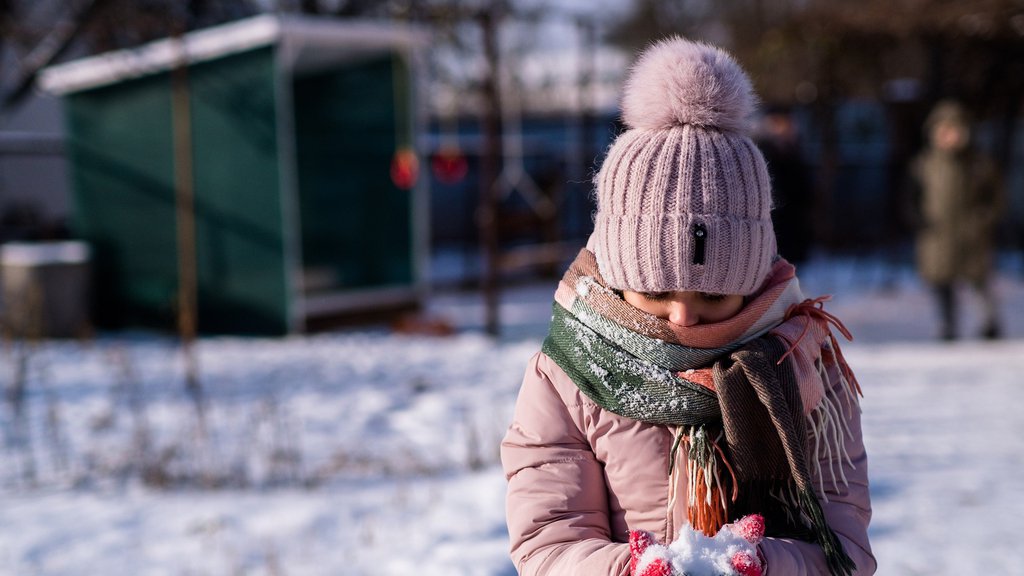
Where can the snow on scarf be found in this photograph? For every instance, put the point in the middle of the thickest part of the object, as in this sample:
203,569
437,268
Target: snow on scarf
739,405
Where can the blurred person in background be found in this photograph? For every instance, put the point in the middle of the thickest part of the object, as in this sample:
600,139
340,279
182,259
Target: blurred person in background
955,198
779,140
690,411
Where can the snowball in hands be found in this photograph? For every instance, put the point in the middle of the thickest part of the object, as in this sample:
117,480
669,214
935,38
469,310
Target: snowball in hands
732,552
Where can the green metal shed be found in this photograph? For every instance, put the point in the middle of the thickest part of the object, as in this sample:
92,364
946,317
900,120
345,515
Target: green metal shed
295,123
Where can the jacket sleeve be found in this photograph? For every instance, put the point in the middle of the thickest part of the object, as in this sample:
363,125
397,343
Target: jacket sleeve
848,509
991,201
557,504
910,198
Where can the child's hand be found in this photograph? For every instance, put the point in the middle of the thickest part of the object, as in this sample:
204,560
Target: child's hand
653,564
732,552
751,529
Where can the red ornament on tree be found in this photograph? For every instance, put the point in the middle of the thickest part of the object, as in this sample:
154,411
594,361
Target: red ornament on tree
449,165
405,168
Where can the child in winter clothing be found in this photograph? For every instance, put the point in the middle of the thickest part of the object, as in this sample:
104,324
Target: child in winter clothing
690,411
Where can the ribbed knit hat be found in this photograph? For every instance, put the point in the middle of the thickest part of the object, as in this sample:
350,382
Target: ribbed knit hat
683,196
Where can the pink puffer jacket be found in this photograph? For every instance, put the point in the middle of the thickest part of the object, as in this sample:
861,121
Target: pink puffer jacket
581,477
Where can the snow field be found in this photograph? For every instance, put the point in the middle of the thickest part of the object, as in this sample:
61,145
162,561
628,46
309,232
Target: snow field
365,452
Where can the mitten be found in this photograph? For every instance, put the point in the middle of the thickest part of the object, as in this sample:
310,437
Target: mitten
654,563
732,552
751,529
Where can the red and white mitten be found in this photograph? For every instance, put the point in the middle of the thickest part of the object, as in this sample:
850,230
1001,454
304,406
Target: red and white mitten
751,529
732,552
647,556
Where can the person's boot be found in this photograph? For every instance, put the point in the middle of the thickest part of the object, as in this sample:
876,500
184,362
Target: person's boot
992,331
947,311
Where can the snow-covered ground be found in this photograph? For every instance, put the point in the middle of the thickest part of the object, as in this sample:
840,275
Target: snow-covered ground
365,452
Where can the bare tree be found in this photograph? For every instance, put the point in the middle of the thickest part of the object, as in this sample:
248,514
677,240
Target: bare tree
819,53
34,35
34,49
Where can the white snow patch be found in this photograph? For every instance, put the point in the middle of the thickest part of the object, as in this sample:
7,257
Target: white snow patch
390,423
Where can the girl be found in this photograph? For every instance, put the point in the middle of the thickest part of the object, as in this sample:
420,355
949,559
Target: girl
686,382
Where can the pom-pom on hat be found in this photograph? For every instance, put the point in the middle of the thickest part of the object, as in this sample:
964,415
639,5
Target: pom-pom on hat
683,196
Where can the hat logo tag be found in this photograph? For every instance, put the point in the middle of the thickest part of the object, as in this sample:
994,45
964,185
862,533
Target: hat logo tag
700,235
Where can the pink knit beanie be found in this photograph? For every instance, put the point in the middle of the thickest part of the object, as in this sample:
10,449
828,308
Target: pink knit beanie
683,197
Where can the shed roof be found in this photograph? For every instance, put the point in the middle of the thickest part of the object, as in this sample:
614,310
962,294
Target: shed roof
309,43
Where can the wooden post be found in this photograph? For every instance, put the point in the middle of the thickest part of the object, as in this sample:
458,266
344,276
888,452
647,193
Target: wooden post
185,218
588,54
490,162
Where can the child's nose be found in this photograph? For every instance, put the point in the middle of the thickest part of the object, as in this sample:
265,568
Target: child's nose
682,314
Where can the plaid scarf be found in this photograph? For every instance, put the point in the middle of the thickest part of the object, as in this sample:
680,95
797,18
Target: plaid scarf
742,394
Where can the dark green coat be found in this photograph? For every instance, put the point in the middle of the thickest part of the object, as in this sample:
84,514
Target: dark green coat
958,201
